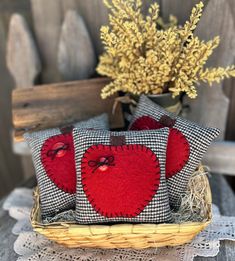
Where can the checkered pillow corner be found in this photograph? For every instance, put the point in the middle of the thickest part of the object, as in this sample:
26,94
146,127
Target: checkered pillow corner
187,144
121,177
53,159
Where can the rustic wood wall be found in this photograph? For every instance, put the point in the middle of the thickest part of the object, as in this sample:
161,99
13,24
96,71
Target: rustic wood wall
45,18
10,168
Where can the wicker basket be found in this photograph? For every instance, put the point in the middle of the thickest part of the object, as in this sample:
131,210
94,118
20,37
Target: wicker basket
138,236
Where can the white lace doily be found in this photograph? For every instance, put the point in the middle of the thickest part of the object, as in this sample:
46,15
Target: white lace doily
31,246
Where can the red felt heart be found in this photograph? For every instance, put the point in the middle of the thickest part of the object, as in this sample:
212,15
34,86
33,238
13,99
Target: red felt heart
120,181
57,156
178,148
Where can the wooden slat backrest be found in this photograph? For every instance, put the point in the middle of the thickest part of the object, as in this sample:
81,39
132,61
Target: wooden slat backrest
54,105
47,19
211,106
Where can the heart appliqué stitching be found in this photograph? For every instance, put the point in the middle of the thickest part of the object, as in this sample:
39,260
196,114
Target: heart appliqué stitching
124,183
57,157
178,148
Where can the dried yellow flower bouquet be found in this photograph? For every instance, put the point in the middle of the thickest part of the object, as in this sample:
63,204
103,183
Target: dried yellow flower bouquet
140,58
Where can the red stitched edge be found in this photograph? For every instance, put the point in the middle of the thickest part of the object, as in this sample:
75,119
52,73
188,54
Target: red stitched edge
47,167
186,154
111,147
152,123
145,121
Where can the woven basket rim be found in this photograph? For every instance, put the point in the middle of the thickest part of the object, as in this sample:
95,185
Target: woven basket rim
38,224
136,236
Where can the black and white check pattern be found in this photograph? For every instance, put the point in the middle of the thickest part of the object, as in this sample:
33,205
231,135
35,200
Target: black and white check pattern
199,138
54,200
158,210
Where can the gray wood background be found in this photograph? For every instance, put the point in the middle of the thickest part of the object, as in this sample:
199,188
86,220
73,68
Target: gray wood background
45,19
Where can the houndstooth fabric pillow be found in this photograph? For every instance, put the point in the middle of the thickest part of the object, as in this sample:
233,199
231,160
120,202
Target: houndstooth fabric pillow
121,176
53,158
187,143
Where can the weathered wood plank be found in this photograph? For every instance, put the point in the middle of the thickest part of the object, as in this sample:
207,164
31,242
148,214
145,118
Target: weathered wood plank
230,128
232,8
76,55
220,157
69,5
230,134
211,106
47,18
57,104
22,57
95,14
10,168
24,64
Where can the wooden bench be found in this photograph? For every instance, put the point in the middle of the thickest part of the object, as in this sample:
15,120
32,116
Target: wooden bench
33,109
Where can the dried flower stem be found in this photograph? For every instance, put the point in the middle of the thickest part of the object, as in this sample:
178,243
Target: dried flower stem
140,58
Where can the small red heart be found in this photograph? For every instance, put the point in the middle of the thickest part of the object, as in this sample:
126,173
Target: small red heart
57,156
178,148
120,181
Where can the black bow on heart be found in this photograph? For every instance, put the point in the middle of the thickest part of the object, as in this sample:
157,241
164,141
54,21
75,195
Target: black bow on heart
108,161
52,153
